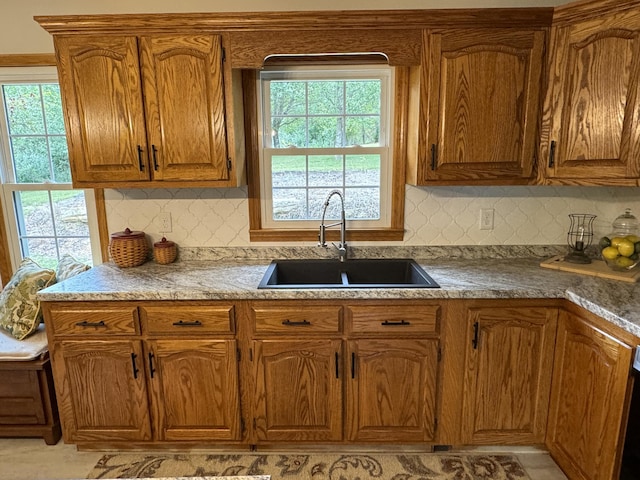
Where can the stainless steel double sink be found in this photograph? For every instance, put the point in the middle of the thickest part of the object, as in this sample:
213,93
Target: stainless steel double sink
357,273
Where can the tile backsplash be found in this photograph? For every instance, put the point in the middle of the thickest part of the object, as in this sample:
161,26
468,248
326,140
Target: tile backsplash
433,215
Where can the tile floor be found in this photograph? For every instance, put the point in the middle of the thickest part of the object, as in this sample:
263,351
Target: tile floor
32,459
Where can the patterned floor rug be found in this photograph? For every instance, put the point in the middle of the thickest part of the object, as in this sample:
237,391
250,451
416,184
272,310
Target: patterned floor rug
319,466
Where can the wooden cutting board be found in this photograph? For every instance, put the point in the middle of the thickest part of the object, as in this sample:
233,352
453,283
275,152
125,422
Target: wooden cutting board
596,268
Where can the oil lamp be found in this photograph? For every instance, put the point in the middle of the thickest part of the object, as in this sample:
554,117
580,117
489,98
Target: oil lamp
579,237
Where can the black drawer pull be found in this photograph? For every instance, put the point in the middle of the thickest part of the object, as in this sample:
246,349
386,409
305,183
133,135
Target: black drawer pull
140,162
133,364
151,369
394,323
289,323
84,323
182,323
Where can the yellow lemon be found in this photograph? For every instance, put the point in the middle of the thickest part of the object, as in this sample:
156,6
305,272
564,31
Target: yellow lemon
615,241
624,262
633,238
610,253
626,248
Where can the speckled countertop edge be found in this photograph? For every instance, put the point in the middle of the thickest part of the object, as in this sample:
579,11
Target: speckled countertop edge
222,274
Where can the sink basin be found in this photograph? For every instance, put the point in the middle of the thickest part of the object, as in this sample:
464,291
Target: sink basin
359,273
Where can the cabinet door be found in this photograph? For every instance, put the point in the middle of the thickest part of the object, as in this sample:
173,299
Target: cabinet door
101,390
589,400
298,390
184,103
590,126
102,98
392,390
480,98
194,385
507,378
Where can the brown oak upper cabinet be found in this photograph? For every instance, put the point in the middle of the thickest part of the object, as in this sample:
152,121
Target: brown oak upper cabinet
590,130
148,110
478,102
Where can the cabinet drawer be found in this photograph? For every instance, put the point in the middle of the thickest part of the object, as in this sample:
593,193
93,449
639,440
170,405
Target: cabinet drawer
394,318
298,320
187,320
94,321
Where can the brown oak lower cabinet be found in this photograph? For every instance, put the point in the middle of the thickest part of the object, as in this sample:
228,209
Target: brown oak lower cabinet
389,377
507,378
129,372
590,396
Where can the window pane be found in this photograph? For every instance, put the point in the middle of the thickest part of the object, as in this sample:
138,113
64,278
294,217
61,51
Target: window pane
289,171
79,248
53,109
70,213
24,109
289,204
34,213
288,132
326,98
60,159
43,251
362,203
325,171
363,131
363,96
362,170
31,159
317,197
288,98
326,132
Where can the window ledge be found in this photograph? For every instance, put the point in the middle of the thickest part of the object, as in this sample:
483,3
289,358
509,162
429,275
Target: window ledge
373,235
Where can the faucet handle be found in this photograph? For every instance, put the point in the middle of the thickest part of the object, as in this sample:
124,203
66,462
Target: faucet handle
321,237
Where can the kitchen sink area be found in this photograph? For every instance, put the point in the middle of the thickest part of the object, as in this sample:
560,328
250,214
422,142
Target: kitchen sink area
356,273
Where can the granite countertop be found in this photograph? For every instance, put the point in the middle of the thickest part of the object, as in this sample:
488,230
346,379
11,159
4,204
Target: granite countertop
201,277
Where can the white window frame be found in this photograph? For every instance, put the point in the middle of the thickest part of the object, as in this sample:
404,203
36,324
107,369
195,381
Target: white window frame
8,185
385,148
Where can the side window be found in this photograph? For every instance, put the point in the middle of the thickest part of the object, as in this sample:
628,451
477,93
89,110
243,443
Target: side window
322,130
46,217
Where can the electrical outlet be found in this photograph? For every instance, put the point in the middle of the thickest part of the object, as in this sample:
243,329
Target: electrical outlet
163,221
486,219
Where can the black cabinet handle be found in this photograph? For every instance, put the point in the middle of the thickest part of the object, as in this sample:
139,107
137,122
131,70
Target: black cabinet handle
154,150
289,323
140,162
387,323
85,323
433,156
133,364
476,335
552,154
151,369
353,365
337,369
182,323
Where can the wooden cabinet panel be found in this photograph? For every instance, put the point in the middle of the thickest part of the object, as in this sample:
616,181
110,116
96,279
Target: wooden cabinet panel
590,124
188,320
102,99
589,399
298,394
101,390
479,98
93,320
392,390
195,389
148,109
184,105
507,376
296,319
393,319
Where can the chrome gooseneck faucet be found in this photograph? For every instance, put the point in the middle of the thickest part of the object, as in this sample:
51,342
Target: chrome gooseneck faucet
342,246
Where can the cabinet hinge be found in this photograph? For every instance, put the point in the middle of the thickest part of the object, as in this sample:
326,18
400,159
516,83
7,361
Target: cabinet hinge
229,164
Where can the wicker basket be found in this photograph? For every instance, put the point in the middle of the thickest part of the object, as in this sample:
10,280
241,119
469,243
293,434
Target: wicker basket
128,249
165,251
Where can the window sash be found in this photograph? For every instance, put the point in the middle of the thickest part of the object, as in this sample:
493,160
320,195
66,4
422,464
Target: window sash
266,152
